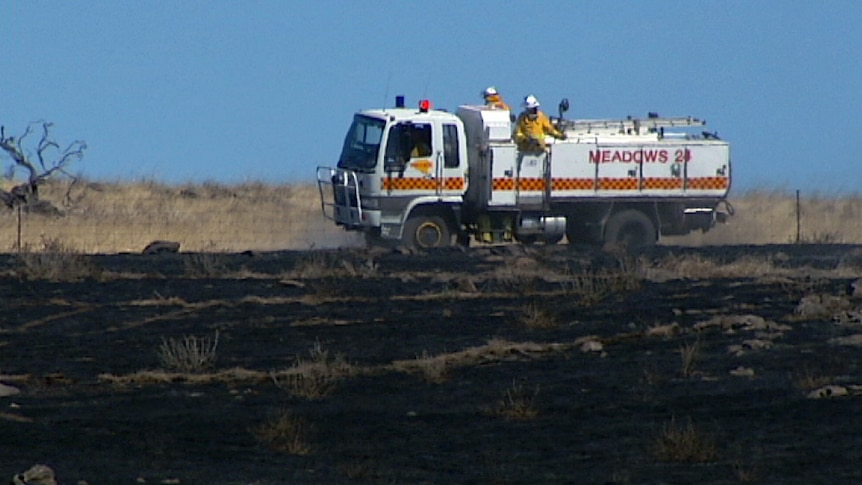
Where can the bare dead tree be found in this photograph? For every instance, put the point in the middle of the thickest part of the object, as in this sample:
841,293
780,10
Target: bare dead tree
50,160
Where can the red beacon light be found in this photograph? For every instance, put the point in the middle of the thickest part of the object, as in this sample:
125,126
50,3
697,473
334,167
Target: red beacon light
424,105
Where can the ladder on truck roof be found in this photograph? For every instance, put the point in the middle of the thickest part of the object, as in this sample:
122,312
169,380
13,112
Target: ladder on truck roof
628,125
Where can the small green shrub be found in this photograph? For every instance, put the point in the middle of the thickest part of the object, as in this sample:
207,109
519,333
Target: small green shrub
518,403
689,353
434,370
188,355
285,432
592,287
686,444
315,377
539,316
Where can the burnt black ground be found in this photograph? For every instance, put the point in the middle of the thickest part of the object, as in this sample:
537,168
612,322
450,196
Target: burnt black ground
598,414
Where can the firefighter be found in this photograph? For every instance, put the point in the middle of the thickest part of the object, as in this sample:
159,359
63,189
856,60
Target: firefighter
493,99
420,139
532,126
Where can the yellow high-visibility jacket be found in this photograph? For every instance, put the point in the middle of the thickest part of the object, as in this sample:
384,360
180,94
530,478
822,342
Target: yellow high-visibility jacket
496,101
530,133
420,149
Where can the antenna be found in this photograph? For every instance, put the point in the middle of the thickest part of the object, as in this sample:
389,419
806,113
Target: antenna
386,92
425,91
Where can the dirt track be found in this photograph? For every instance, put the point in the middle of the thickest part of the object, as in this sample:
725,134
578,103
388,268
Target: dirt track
592,352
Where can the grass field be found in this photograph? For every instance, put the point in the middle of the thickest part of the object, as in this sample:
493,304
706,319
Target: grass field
100,217
501,365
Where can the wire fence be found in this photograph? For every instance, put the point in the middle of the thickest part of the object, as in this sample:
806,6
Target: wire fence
121,218
786,218
116,219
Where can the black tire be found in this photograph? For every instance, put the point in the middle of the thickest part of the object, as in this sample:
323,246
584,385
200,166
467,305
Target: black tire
463,239
578,233
374,240
551,240
526,239
426,232
530,239
631,230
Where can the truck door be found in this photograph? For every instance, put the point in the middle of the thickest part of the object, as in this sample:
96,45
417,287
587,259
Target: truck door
661,169
449,149
409,160
706,168
618,169
532,178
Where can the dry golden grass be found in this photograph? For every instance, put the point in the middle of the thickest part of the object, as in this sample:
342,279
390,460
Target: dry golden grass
112,217
143,377
53,261
768,268
285,432
314,377
433,369
318,375
538,316
808,380
517,403
208,217
494,350
684,443
689,353
769,217
190,354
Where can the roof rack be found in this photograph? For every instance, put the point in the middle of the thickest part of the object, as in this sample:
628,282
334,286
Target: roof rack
628,125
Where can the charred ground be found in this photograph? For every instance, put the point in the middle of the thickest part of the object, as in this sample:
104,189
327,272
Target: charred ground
502,365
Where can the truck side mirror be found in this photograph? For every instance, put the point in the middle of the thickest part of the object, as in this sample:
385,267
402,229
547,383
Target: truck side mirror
564,106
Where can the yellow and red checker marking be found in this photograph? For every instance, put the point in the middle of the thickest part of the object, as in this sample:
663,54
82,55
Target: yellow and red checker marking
420,183
561,184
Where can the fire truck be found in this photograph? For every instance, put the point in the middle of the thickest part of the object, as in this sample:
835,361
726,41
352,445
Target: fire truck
428,178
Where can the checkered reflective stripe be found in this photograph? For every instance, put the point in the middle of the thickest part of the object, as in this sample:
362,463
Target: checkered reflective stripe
531,184
572,184
503,184
420,183
453,183
525,184
618,184
707,183
662,183
627,183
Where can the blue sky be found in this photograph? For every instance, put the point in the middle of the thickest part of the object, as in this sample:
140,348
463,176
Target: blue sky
233,91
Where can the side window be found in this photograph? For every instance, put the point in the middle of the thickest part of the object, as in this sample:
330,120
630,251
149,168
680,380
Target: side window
420,137
406,141
398,145
450,146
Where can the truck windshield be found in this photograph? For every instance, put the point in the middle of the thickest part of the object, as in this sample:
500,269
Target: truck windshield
362,143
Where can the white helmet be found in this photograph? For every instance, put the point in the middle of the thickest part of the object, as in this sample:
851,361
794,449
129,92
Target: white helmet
491,91
531,102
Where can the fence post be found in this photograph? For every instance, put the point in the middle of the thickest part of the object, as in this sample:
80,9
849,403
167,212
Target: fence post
19,229
798,230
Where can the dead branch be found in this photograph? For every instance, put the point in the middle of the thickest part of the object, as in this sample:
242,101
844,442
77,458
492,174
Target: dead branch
51,160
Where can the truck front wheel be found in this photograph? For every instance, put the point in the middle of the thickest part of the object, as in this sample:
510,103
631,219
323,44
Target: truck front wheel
630,229
425,232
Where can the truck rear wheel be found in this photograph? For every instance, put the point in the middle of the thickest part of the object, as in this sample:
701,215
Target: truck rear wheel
578,233
425,232
630,229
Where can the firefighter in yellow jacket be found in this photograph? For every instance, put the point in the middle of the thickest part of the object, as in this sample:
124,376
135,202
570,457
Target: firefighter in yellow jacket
493,99
532,126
